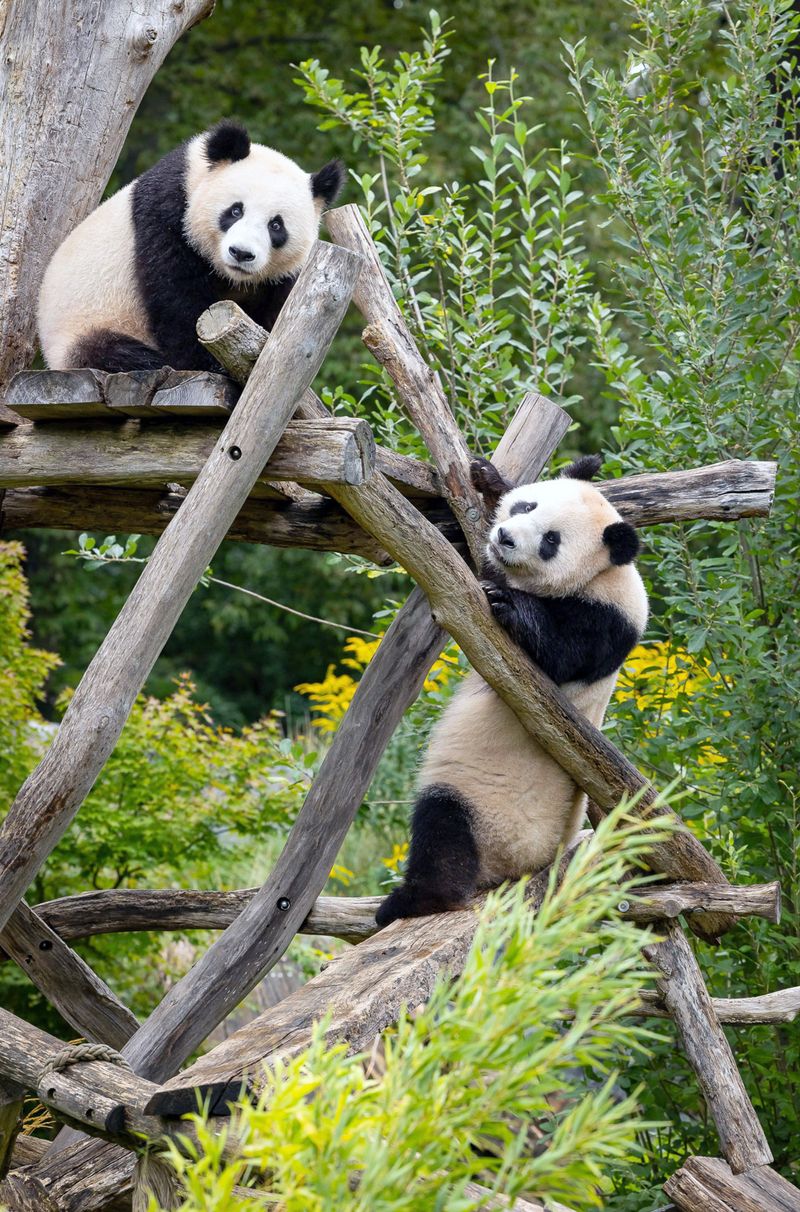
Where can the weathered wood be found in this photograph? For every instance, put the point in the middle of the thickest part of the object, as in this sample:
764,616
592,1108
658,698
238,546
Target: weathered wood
419,390
72,79
459,605
11,1102
28,1150
361,992
129,394
707,1184
196,393
36,394
780,1006
316,523
143,455
104,1096
722,491
66,980
390,684
93,721
682,988
352,918
87,1178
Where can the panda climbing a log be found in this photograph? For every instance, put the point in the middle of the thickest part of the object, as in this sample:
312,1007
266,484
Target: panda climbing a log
492,804
217,218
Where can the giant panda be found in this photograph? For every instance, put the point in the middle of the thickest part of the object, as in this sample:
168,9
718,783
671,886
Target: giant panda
217,218
492,805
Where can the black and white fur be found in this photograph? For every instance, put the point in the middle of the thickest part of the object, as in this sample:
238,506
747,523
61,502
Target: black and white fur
492,805
217,218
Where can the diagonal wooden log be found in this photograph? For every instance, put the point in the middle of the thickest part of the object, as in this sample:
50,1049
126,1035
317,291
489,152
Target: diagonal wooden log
82,999
73,76
51,796
389,339
352,918
681,985
459,605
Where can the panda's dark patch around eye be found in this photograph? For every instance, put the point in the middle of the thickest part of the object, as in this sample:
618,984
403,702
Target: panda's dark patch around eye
230,216
522,507
549,545
277,232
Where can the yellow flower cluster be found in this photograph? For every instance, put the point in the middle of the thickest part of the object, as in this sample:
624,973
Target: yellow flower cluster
331,697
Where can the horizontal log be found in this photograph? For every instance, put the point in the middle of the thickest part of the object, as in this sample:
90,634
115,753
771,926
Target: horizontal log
780,1006
706,1184
140,455
737,488
359,994
105,1097
316,523
352,918
59,395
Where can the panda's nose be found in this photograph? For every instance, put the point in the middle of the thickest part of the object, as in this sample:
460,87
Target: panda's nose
505,539
241,254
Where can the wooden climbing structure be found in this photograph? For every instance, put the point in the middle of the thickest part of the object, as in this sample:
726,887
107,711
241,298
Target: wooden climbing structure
257,457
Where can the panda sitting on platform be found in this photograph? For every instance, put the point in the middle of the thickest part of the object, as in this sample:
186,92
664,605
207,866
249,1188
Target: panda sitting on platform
217,218
492,804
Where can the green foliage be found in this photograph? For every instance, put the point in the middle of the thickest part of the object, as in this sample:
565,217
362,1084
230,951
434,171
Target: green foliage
492,275
23,672
492,1045
696,136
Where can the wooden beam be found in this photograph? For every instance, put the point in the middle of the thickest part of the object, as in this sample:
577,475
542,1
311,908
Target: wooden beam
683,991
140,456
12,1098
61,395
780,1006
707,1184
420,392
52,794
69,984
459,605
359,994
352,918
720,491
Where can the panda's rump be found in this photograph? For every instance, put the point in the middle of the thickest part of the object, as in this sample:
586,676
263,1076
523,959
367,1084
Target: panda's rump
90,284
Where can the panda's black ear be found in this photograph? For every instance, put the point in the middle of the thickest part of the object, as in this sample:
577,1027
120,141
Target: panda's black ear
622,541
583,469
227,141
488,481
327,183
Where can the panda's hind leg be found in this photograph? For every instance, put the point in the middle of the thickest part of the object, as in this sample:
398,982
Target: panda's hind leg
104,349
442,868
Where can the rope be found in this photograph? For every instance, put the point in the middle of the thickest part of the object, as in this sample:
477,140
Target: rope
78,1054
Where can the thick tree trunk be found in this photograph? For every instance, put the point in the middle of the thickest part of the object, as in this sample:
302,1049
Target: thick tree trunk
71,78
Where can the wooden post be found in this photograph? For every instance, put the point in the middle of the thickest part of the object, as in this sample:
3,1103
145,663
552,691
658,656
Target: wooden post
11,1102
73,76
684,993
51,796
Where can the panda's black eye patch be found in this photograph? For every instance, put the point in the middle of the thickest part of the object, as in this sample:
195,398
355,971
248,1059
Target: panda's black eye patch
522,507
277,232
231,215
549,545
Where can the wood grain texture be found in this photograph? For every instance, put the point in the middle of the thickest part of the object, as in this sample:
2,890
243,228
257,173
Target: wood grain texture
316,523
352,918
707,1184
69,984
683,991
89,730
459,605
419,390
780,1006
73,77
58,395
721,491
362,991
11,1103
87,1178
146,455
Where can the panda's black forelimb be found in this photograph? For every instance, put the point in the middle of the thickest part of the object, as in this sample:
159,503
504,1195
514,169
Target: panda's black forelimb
442,867
571,639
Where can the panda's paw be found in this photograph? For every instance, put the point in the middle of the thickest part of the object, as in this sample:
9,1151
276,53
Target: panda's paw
500,600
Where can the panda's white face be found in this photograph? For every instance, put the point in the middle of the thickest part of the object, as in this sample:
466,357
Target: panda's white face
548,538
254,219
